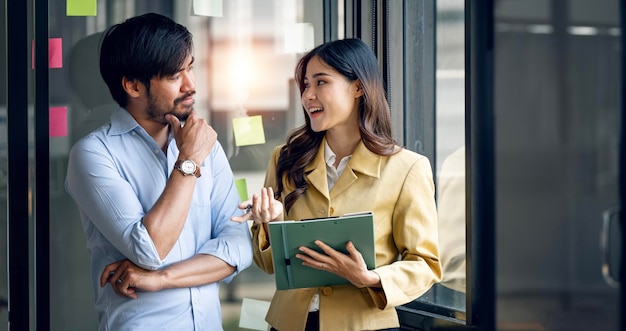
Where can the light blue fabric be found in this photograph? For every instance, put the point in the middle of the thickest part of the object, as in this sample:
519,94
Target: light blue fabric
115,175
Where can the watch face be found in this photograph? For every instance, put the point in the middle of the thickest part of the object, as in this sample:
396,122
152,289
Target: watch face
188,167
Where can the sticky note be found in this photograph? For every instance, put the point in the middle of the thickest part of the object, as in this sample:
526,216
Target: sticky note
252,314
212,8
248,130
81,7
242,188
55,53
299,38
58,121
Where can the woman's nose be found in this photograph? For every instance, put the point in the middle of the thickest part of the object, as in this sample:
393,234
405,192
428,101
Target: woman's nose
308,94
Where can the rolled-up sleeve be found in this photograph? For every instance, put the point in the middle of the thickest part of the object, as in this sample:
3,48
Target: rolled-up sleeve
109,202
230,241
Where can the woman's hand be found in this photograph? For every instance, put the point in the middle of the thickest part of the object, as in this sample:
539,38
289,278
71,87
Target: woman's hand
261,209
349,266
126,279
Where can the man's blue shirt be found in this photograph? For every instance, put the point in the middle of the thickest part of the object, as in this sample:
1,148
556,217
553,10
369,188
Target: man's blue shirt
115,175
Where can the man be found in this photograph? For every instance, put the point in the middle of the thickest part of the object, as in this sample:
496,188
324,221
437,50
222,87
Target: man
156,196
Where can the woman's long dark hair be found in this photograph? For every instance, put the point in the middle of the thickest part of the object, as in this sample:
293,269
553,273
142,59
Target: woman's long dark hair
355,60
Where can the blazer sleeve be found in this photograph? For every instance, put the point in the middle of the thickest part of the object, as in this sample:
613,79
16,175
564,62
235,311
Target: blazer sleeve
260,239
415,236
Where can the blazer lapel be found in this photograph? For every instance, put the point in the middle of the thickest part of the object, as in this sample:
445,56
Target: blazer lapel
362,161
316,172
344,181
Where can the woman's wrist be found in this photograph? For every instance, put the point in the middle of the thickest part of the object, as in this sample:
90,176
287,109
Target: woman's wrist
370,279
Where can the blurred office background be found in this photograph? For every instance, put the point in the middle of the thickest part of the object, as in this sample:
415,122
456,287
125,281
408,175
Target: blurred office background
542,143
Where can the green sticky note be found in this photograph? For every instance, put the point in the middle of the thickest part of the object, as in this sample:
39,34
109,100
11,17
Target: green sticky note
213,8
81,7
248,130
242,188
253,313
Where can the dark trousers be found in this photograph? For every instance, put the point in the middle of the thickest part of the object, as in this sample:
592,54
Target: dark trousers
313,323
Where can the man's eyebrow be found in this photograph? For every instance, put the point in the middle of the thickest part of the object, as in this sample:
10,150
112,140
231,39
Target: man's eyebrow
184,67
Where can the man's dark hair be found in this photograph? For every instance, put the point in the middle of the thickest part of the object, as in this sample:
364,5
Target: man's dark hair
140,48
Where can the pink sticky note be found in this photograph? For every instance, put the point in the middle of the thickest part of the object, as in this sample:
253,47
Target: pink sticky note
58,121
55,53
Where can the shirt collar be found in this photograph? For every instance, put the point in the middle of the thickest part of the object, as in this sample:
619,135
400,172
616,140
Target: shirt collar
329,155
362,160
122,122
365,161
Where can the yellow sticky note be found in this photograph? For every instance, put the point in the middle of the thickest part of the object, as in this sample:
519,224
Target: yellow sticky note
81,7
212,8
242,188
248,130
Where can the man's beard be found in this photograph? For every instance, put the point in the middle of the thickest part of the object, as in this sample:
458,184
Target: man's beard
156,113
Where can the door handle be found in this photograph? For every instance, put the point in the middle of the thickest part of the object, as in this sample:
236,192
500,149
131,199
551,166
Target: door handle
605,247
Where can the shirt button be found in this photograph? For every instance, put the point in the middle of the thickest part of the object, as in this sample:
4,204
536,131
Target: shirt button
156,151
332,210
327,291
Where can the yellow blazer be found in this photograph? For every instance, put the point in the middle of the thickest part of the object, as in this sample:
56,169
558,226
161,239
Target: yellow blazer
399,190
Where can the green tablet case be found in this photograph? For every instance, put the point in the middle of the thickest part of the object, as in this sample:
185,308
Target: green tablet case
287,236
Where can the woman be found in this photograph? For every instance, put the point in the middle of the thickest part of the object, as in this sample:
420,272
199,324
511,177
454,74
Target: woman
345,160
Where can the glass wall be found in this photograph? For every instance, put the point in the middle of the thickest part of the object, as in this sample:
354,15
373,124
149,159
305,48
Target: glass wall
450,153
557,110
447,298
244,62
556,98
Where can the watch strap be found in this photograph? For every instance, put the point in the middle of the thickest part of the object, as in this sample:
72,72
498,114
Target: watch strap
178,164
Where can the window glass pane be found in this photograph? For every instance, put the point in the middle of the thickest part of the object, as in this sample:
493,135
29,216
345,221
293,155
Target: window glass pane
79,99
250,55
244,64
557,104
426,90
448,297
450,165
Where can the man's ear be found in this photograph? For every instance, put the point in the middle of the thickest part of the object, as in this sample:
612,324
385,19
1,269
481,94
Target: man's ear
131,87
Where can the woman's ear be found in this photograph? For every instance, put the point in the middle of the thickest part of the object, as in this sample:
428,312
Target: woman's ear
358,89
131,87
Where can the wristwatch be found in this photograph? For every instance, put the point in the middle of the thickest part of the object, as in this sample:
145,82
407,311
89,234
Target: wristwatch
187,167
